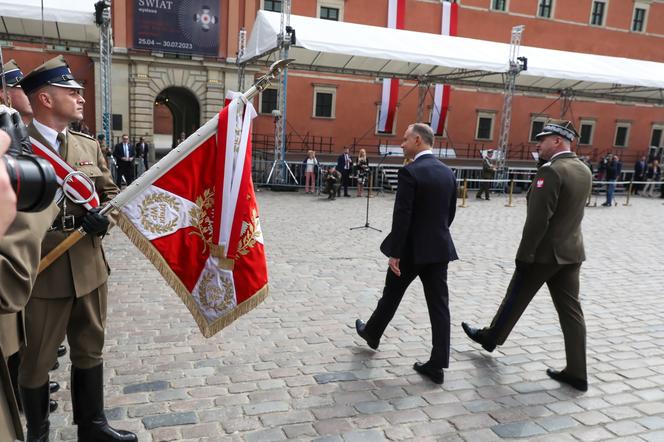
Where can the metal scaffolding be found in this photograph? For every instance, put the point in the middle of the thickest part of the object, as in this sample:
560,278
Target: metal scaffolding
103,21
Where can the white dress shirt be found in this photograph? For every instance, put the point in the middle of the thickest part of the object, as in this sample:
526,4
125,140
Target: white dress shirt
49,134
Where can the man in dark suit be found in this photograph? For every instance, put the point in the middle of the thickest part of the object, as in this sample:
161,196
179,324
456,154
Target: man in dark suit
639,174
142,152
344,166
124,154
551,252
419,244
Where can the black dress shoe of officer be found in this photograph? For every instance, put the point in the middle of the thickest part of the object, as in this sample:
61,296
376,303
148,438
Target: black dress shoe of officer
62,350
436,375
52,405
53,387
478,336
562,376
55,366
361,330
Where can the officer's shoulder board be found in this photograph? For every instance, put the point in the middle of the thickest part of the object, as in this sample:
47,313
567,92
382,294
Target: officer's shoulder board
547,164
81,134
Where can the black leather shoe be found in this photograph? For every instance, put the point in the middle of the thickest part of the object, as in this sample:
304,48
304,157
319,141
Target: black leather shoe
562,376
53,387
360,327
52,405
477,336
436,375
62,350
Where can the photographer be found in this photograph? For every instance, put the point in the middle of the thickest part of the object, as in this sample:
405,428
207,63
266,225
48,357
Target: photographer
332,182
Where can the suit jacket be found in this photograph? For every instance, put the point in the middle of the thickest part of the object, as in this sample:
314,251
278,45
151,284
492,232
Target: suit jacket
118,152
423,212
82,268
556,202
639,169
341,163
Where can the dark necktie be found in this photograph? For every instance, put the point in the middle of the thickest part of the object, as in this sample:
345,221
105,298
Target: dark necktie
62,144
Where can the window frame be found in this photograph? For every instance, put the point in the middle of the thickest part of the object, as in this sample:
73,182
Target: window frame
325,89
506,6
605,12
646,9
653,128
622,124
260,100
485,114
335,4
551,6
533,119
587,122
263,5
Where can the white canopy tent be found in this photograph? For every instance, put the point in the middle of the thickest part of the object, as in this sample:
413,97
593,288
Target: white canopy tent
64,20
330,46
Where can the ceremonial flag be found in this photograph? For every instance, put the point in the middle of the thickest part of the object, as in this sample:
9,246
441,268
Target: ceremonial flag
396,16
198,224
441,95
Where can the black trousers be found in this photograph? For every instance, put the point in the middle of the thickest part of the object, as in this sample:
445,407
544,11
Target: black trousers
434,280
125,169
345,180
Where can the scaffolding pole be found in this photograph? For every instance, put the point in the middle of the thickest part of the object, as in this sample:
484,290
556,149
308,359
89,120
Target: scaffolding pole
103,21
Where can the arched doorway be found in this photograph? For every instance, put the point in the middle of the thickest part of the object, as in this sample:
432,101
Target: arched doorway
176,111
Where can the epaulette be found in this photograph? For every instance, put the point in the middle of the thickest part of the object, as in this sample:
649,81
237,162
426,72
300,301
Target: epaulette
548,163
82,135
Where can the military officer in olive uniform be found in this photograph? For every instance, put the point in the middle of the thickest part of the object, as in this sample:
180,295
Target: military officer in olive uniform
11,325
488,172
69,297
551,252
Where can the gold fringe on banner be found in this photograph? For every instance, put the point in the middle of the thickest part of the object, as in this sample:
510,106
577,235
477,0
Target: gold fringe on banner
152,254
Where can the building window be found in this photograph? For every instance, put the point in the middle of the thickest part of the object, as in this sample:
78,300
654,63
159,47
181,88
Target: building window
639,19
598,12
330,9
268,101
324,101
536,126
327,13
272,5
586,132
484,130
544,8
622,135
499,5
657,135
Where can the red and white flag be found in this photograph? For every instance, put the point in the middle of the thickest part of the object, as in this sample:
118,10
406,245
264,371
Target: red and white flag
199,225
396,16
441,95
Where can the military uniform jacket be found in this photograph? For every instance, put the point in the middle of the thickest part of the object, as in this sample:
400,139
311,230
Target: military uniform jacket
556,202
488,170
83,268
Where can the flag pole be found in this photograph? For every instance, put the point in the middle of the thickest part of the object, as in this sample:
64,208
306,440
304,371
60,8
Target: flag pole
164,165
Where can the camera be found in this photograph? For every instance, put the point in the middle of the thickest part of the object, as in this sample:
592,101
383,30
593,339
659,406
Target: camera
33,180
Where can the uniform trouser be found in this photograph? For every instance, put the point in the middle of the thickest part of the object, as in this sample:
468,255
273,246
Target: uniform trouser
10,424
563,283
47,322
345,181
434,281
125,170
484,189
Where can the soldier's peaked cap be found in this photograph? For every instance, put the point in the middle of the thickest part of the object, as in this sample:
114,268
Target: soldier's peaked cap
564,128
12,73
54,72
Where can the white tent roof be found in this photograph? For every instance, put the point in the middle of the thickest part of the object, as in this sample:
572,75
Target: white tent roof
64,20
324,45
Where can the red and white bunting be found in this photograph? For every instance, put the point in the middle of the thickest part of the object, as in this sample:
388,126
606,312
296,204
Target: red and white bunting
441,100
78,188
396,16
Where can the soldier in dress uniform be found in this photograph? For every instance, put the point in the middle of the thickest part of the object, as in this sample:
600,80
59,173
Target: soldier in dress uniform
551,252
488,172
69,297
11,325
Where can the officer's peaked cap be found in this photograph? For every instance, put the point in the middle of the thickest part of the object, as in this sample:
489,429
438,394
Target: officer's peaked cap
54,72
564,128
12,73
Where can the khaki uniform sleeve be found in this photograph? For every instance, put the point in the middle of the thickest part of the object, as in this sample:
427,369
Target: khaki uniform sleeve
20,252
542,204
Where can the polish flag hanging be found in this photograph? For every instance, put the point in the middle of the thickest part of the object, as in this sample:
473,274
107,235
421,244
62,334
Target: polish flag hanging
441,95
198,224
396,13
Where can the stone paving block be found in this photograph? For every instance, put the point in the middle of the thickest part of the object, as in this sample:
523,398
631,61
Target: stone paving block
265,407
472,421
556,423
591,434
332,426
654,436
268,435
624,428
651,408
332,412
286,418
593,417
518,430
169,420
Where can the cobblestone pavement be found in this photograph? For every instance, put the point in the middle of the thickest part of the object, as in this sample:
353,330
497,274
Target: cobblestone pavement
294,368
